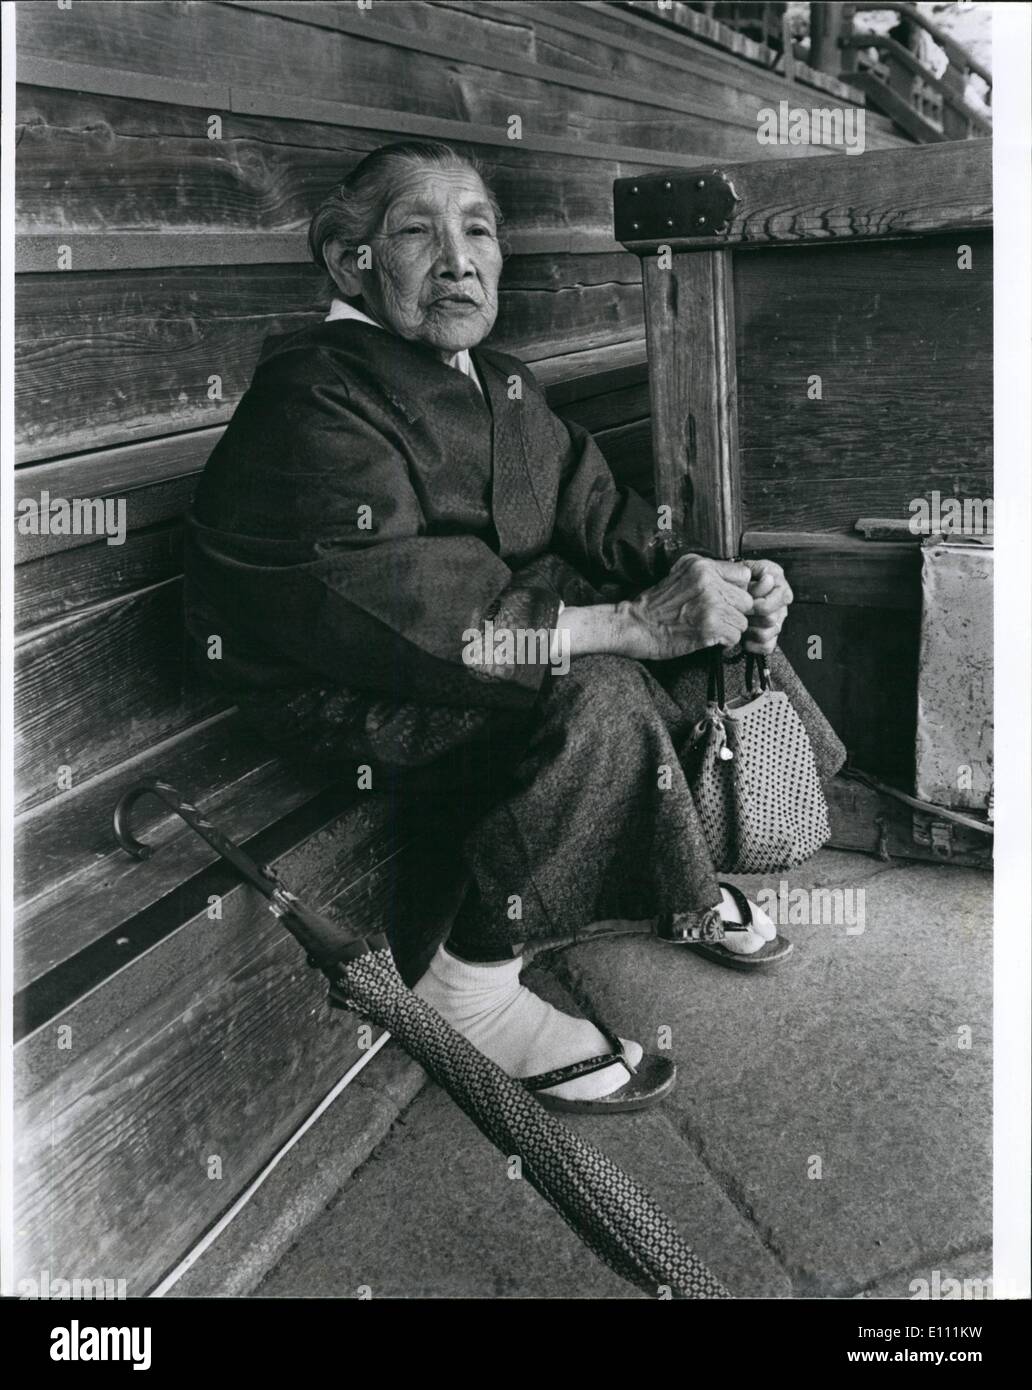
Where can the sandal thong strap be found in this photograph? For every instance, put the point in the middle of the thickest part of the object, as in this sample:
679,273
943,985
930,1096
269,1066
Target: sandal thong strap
712,929
742,903
543,1080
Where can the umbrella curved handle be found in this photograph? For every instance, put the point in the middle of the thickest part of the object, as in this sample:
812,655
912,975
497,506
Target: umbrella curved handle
261,877
327,942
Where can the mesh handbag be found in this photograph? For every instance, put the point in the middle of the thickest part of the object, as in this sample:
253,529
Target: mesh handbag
753,777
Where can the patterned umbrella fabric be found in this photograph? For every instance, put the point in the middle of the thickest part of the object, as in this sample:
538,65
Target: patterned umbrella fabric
607,1209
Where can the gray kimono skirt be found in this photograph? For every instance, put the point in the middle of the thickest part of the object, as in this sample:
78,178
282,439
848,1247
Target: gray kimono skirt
365,509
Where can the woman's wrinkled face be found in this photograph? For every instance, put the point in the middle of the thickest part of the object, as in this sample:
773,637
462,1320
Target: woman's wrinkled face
436,261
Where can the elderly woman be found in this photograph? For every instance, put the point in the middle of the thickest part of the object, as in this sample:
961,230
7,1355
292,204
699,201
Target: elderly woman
389,501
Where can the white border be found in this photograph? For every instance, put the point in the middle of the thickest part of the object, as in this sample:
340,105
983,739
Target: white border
7,75
1012,230
1012,1053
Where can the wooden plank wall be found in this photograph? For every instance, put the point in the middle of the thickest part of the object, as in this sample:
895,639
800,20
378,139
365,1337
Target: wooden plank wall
185,252
901,338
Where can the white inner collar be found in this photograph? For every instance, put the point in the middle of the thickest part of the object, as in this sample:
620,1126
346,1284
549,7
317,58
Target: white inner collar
340,309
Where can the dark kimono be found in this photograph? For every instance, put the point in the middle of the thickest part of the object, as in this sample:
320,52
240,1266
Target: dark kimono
365,510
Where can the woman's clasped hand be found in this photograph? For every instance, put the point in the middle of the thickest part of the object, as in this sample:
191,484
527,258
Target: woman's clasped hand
705,603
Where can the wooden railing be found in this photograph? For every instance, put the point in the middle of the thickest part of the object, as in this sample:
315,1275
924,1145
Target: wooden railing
938,101
763,22
757,33
927,105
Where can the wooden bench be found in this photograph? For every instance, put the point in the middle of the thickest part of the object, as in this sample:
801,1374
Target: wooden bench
154,1027
164,1051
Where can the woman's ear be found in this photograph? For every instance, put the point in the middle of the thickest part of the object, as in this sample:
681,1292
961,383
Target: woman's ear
343,269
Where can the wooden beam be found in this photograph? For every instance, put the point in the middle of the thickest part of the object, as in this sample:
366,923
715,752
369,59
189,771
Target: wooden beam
93,250
96,688
160,472
689,317
552,203
356,25
884,195
85,77
667,49
834,568
54,587
37,71
112,391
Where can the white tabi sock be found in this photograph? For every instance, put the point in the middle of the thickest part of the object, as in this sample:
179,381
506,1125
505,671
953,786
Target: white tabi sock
515,1028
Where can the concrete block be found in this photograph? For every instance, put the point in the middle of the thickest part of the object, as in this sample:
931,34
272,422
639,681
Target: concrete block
954,755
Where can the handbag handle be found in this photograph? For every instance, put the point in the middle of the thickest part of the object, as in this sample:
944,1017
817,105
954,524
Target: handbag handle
754,663
715,681
715,678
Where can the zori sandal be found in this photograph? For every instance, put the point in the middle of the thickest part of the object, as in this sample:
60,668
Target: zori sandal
648,1083
707,940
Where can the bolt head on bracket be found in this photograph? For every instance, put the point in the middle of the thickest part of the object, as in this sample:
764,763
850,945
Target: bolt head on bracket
686,205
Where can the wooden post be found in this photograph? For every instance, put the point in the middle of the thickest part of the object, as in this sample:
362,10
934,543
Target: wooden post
788,47
672,224
847,56
689,321
955,122
825,29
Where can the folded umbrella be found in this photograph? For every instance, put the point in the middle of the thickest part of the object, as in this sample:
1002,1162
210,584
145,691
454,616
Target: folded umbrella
607,1209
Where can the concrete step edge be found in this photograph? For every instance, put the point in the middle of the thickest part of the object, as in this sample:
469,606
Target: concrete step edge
307,1181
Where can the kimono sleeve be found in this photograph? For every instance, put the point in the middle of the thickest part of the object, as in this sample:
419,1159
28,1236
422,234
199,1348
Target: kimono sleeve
607,529
337,571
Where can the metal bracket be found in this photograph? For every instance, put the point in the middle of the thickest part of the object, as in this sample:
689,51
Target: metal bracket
695,204
936,835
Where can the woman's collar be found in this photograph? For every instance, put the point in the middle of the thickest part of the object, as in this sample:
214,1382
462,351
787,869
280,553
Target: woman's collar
461,361
341,309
